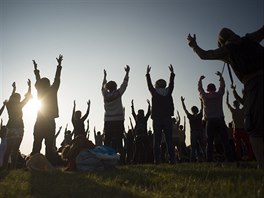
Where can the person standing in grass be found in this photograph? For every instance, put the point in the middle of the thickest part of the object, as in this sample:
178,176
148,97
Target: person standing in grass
197,132
214,116
114,115
15,125
161,114
141,133
45,126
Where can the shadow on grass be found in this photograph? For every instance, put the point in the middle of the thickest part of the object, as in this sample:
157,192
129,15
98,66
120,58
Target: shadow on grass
73,185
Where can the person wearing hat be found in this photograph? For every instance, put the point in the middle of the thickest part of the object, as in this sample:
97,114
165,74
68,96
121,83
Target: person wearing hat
214,116
245,56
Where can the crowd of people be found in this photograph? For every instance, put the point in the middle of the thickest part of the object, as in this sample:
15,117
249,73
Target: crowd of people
211,139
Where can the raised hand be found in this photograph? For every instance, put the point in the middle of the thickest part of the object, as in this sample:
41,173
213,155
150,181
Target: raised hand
29,82
35,65
14,85
192,40
148,101
218,73
182,99
171,68
59,60
132,102
105,73
89,103
127,68
148,69
202,77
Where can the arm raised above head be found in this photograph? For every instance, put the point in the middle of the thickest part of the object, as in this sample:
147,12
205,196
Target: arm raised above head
36,71
216,54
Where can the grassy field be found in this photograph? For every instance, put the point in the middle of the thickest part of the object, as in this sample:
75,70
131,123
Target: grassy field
180,180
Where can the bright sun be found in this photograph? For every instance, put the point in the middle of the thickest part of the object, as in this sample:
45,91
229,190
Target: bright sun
32,106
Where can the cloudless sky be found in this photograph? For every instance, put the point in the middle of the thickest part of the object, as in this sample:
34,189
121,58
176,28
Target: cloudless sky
94,35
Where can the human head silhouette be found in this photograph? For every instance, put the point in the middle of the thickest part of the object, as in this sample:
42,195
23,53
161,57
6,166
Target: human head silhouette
111,86
211,87
224,36
15,97
44,83
194,109
161,83
77,115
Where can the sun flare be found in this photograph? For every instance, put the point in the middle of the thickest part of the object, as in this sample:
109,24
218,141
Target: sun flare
33,106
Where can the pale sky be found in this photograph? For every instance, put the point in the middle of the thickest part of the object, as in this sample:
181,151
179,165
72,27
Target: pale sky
94,35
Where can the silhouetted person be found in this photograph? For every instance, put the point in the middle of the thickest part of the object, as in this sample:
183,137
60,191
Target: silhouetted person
239,133
197,132
78,120
98,137
114,112
45,125
245,55
15,125
214,116
67,138
162,111
141,134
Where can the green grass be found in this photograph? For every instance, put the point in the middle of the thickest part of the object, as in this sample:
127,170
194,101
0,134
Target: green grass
180,180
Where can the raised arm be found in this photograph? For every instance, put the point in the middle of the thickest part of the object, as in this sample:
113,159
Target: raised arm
178,121
36,71
94,132
222,82
149,109
28,95
237,97
172,76
73,111
149,82
104,81
200,85
56,83
14,88
125,81
183,105
2,108
87,111
133,110
130,120
227,101
217,54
